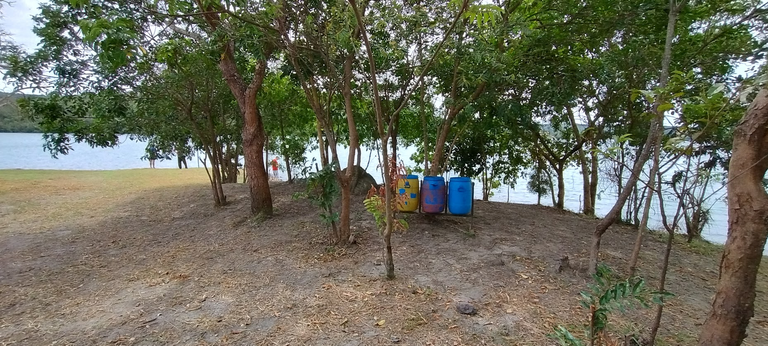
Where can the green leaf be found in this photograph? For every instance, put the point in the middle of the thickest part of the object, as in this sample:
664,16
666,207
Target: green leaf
665,107
715,89
649,95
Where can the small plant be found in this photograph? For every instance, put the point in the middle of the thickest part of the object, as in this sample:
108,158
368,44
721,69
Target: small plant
322,190
385,213
606,295
375,200
375,204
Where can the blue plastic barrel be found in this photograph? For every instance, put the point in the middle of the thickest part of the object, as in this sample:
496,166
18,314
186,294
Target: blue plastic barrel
433,195
460,196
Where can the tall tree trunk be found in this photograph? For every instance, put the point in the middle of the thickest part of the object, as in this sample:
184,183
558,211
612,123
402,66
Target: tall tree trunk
346,180
218,193
670,227
445,128
643,227
594,172
393,136
560,171
582,156
286,158
266,152
424,130
551,189
253,128
253,151
359,160
620,174
588,208
658,121
384,135
384,132
747,230
321,144
662,286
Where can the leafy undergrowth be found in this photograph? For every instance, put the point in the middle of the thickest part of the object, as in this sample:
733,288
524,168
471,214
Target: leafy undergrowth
142,257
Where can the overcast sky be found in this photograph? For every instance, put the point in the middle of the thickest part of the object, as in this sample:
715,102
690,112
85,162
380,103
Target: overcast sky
17,21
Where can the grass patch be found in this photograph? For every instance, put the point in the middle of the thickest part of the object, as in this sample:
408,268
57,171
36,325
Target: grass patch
678,339
702,247
414,321
698,246
71,196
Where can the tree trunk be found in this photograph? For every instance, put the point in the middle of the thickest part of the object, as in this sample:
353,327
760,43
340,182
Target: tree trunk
321,144
560,171
620,174
551,189
253,128
437,158
424,130
662,283
359,160
253,151
643,227
670,227
588,209
218,193
349,176
658,121
747,230
383,134
582,156
286,158
594,172
266,152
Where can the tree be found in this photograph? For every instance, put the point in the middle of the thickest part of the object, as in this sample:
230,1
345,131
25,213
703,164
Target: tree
557,151
653,139
733,305
246,93
316,68
289,120
182,98
385,130
96,45
91,117
490,144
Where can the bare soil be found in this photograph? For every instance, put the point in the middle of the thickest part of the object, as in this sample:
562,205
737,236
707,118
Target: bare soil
160,265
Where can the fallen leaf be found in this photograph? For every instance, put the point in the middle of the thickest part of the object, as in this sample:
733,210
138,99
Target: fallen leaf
380,323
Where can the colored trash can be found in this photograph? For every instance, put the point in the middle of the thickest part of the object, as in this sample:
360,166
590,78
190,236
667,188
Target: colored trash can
433,195
460,196
408,188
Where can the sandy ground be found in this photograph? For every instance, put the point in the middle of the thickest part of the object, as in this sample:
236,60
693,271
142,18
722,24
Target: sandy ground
160,265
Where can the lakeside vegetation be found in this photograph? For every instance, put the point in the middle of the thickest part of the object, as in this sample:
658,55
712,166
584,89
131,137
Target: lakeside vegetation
11,117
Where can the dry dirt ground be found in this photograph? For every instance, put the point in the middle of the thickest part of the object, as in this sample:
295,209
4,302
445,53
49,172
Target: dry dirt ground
142,258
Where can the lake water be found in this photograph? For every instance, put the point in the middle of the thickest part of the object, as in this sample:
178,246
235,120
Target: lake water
25,151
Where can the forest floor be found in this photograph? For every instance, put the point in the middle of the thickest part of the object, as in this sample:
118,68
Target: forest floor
141,257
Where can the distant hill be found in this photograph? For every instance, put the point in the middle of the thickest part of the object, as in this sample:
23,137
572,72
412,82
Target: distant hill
11,118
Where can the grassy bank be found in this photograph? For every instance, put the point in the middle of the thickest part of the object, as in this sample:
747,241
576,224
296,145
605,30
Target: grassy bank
40,199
